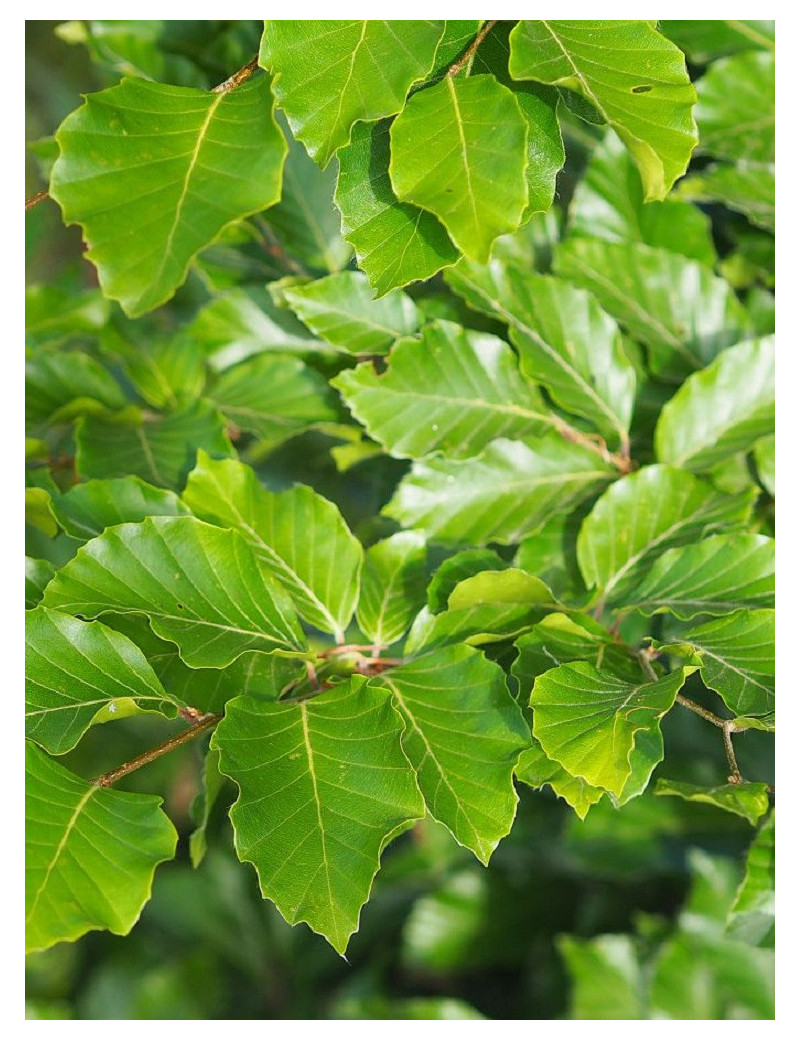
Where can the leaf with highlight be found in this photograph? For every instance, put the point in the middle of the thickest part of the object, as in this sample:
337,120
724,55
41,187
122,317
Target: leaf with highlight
392,587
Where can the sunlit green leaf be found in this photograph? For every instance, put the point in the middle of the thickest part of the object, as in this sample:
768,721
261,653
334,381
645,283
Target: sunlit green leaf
142,233
392,587
455,569
748,800
746,187
764,453
736,108
322,785
608,980
537,770
91,853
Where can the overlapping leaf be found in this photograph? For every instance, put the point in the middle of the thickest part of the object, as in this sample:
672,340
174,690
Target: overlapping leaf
201,587
451,390
37,575
455,569
341,310
61,386
746,187
682,312
446,146
330,74
142,233
78,673
720,410
160,450
323,785
392,587
736,108
537,770
463,735
90,854
395,243
645,513
506,492
748,800
87,509
298,536
634,77
588,721
720,574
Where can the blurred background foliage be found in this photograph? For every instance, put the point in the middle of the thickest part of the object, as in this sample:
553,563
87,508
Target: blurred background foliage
621,916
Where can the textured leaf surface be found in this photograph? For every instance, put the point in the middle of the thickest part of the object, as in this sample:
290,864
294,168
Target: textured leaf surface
90,856
299,537
720,410
341,310
395,243
159,450
273,396
506,492
329,74
752,916
737,658
537,770
450,390
747,800
78,673
565,341
633,76
736,108
201,587
677,307
143,232
608,202
392,587
323,784
446,146
463,735
588,721
717,575
455,569
87,509
645,513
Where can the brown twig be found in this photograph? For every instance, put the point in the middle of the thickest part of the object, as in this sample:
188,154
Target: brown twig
34,200
469,53
245,72
203,723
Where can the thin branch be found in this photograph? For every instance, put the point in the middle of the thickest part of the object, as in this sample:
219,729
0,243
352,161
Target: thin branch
595,443
469,53
245,72
203,723
34,200
709,716
736,776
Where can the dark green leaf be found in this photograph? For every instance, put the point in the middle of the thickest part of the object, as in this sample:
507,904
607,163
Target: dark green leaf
746,187
37,574
87,509
747,800
60,387
752,916
704,40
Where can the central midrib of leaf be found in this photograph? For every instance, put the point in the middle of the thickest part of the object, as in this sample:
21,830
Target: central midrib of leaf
464,157
578,74
61,845
317,805
148,454
185,188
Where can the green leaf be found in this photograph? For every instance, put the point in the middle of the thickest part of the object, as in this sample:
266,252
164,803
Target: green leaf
244,322
746,187
213,783
298,536
720,410
588,721
37,575
78,673
704,40
273,396
323,785
634,77
503,494
163,371
607,979
142,233
608,203
395,243
565,341
643,514
455,569
341,310
159,450
683,330
536,769
451,390
444,146
736,657
39,512
330,74
764,454
87,509
53,313
752,916
392,587
736,108
463,735
200,587
747,800
305,219
716,576
484,608
90,856
59,387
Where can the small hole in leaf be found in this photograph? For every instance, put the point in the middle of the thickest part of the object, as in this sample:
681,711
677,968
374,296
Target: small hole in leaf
643,89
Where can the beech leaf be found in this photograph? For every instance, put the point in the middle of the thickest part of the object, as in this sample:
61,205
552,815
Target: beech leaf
749,800
87,509
392,587
752,916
